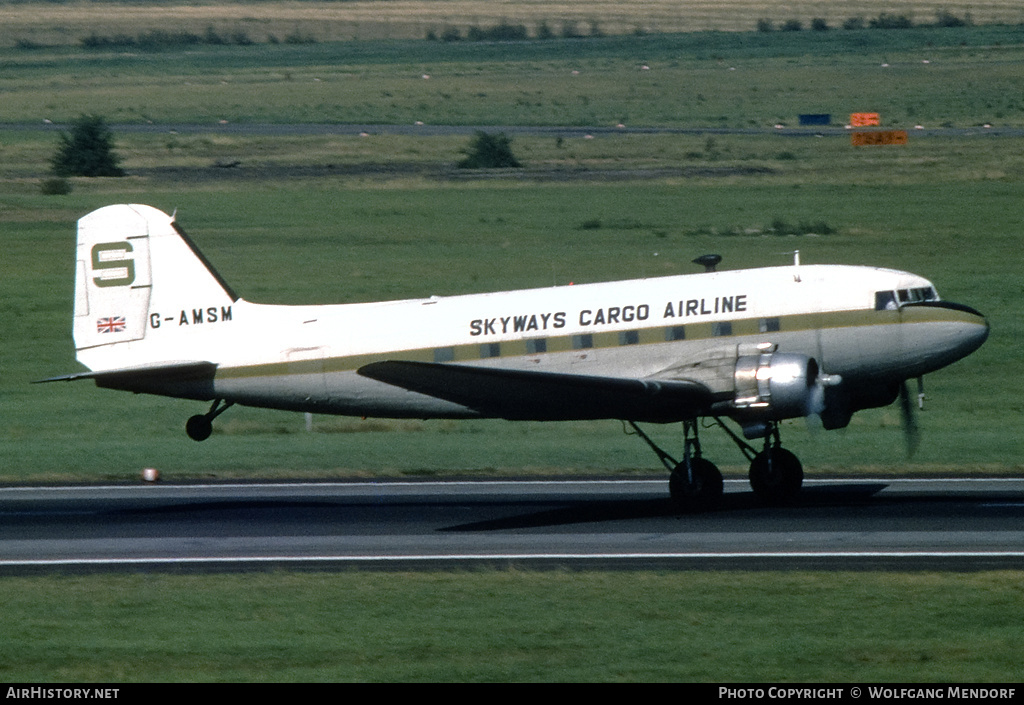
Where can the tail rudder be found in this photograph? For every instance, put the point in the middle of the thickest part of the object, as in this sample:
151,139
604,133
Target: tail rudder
137,279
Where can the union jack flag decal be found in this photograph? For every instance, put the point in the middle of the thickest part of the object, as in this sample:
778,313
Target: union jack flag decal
114,324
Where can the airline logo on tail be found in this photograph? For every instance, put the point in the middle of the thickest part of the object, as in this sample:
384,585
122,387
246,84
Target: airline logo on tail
110,265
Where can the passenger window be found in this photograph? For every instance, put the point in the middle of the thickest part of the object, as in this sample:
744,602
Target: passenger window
629,337
490,350
582,342
675,333
536,345
769,325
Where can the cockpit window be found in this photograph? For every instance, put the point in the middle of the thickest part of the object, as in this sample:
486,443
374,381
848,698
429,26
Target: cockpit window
913,296
891,300
885,301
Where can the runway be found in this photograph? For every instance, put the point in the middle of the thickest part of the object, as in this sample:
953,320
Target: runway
887,524
552,131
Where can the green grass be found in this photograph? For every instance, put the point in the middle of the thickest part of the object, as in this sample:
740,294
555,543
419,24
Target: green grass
331,241
940,207
511,626
42,23
693,80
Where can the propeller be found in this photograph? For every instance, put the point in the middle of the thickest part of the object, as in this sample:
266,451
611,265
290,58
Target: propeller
817,403
911,433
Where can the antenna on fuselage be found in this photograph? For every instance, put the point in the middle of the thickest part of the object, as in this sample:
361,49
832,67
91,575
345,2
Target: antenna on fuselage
796,264
709,262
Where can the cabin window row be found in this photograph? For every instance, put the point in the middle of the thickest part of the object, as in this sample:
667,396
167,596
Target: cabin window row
585,341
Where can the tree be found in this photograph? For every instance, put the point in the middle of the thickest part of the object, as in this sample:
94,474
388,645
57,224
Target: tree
87,151
489,152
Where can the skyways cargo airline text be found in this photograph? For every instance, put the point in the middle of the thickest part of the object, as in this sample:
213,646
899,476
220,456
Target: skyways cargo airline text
608,315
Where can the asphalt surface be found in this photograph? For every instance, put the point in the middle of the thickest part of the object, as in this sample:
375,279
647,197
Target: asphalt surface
565,131
857,524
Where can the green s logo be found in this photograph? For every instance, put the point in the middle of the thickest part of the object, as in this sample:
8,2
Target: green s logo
112,258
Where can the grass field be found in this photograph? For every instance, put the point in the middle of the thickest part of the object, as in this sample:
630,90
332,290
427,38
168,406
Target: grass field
514,627
327,218
932,77
34,23
369,218
386,240
369,236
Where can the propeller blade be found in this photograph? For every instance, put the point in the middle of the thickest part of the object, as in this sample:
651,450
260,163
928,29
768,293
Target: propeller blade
911,433
815,400
814,407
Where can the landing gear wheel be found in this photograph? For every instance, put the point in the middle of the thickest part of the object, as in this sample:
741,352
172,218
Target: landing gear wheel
776,475
698,490
199,427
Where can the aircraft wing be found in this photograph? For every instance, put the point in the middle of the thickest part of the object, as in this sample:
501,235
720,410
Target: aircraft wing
545,396
190,380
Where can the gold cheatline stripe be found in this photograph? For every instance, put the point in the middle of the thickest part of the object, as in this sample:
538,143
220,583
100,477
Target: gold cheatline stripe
467,352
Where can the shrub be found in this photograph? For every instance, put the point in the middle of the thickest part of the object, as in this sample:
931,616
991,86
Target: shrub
890,21
948,19
56,186
87,151
451,34
570,31
503,32
489,152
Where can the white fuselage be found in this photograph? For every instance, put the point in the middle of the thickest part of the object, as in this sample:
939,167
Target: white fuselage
306,357
152,315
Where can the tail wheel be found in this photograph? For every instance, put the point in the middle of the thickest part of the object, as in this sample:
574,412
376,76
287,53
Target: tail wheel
696,490
199,427
776,475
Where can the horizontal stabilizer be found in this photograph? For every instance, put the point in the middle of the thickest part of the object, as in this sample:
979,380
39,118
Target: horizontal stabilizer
545,396
189,380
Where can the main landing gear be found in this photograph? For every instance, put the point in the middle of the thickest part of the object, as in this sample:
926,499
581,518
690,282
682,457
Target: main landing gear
200,426
695,484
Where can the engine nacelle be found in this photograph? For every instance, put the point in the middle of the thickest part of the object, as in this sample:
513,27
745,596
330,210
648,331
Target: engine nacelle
772,386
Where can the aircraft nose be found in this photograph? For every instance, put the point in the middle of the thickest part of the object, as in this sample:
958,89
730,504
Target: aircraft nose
971,328
976,329
942,333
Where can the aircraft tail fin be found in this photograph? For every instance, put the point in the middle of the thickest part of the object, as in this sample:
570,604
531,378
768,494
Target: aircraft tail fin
136,272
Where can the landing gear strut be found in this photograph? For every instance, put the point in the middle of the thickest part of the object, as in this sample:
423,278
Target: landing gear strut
200,426
696,484
775,474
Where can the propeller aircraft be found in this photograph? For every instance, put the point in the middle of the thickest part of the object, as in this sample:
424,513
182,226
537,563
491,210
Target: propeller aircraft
754,346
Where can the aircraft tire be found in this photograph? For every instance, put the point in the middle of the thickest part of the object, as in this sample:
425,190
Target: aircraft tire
703,493
198,427
776,475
